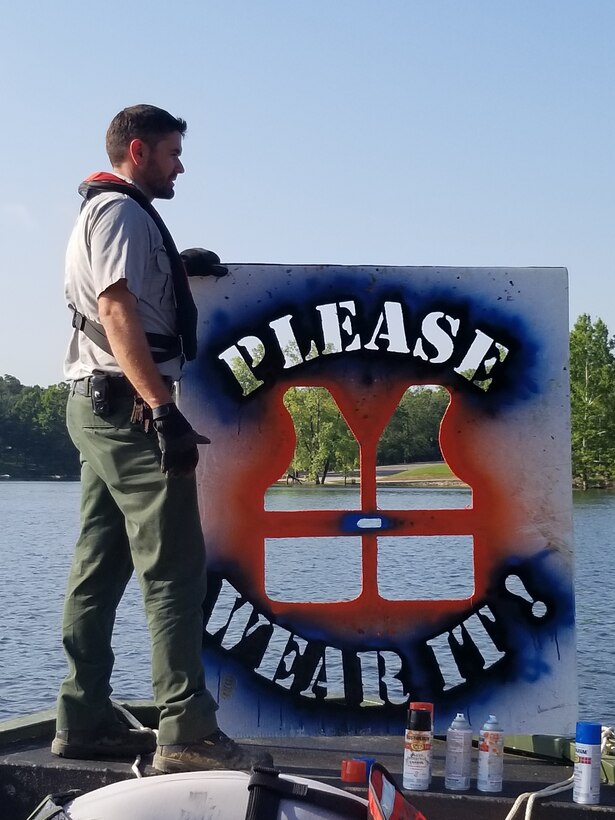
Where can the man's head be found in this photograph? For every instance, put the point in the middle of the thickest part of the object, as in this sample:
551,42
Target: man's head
144,143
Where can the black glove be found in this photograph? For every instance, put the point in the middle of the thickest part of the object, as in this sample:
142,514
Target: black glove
177,440
199,262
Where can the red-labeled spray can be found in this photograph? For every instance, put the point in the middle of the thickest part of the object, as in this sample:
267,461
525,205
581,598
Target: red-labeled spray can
425,705
418,744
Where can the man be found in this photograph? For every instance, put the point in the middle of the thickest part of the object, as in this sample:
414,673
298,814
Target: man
134,321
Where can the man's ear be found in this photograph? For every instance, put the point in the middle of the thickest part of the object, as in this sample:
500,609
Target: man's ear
138,152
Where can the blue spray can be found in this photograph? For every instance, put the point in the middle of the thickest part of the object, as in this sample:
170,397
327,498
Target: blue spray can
587,761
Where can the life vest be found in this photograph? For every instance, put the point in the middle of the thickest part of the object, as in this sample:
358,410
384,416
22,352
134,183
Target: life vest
163,347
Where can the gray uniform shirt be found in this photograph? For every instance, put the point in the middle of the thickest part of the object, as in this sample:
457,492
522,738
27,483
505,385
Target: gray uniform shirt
114,238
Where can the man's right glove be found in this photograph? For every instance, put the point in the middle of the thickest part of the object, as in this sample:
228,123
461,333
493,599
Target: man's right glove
201,262
177,440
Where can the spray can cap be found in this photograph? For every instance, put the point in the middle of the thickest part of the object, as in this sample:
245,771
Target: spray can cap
419,720
589,733
421,704
492,725
460,722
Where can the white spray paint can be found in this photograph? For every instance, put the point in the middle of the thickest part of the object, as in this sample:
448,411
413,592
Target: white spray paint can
490,756
458,754
417,750
587,761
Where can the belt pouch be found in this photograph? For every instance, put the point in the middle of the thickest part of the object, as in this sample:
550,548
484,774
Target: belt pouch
99,393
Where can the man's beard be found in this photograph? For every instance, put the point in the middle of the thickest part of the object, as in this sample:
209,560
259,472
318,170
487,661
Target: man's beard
160,192
159,187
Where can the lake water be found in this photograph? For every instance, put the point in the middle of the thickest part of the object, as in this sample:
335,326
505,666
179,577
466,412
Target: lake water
39,524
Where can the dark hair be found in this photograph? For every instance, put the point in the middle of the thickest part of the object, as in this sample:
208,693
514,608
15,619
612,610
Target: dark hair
144,122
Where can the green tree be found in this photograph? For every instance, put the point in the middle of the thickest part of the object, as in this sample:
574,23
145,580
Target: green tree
412,434
10,429
28,444
324,441
34,442
60,454
592,390
346,449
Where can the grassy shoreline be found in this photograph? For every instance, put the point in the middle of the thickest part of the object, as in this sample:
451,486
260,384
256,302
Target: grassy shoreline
437,475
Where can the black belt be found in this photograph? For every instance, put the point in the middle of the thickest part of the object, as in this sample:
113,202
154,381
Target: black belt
118,385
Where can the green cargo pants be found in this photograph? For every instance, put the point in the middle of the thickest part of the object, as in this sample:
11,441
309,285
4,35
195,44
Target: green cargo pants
134,517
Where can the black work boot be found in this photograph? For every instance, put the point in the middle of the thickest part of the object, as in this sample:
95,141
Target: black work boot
116,740
216,751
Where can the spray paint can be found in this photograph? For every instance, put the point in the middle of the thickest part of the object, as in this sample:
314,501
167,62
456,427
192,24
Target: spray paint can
417,750
587,762
425,705
490,756
458,755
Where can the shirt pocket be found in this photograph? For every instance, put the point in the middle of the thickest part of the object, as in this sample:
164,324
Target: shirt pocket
158,286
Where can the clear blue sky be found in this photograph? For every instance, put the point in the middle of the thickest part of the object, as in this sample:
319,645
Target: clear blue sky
403,132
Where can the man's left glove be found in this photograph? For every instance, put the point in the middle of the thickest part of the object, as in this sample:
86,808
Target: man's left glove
177,440
200,262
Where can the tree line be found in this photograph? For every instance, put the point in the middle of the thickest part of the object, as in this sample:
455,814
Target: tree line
325,442
34,442
592,396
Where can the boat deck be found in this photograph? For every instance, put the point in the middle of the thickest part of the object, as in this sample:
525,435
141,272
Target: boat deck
28,772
